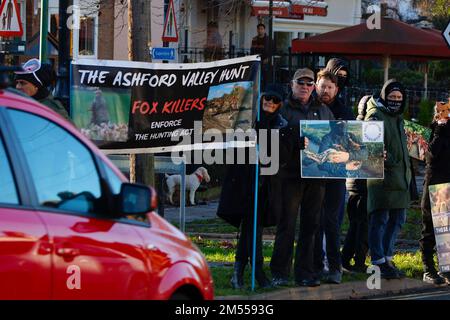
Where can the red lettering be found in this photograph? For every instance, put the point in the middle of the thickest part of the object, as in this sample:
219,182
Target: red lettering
188,103
154,110
166,108
135,106
202,104
145,107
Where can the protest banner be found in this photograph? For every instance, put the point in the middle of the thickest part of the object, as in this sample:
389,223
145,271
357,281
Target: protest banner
440,211
417,139
342,149
137,107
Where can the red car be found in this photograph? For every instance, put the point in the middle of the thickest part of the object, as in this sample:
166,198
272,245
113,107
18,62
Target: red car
72,227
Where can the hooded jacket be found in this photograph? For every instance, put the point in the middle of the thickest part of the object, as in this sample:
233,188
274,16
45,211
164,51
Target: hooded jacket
392,192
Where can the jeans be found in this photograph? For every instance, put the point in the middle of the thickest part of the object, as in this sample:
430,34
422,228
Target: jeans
331,226
384,226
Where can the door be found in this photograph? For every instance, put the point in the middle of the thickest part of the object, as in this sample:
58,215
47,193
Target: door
94,256
25,252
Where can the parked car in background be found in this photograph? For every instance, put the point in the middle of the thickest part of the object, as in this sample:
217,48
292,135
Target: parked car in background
72,227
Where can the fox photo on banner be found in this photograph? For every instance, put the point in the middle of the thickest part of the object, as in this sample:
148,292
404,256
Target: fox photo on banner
342,149
440,210
137,107
418,137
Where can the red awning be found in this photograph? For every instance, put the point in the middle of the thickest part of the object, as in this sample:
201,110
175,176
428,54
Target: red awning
395,38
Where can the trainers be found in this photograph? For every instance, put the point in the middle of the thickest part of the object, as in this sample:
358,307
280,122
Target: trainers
388,272
280,282
446,276
400,273
334,277
312,282
432,277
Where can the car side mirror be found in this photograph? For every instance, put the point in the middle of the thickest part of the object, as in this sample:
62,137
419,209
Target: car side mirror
136,199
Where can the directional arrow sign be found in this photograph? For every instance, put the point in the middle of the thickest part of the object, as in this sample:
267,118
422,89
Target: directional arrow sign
446,34
163,53
10,24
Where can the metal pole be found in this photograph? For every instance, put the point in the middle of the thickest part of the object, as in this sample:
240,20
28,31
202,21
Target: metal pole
255,205
62,85
43,31
183,199
269,78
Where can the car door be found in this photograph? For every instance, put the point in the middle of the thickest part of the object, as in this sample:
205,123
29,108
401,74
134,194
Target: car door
25,252
94,255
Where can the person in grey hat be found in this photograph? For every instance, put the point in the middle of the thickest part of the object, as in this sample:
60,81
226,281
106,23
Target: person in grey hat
34,80
296,192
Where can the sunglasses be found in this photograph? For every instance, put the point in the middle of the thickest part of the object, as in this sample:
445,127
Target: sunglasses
275,99
306,83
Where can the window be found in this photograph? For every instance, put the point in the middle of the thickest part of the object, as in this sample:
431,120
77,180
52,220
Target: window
8,193
87,36
62,169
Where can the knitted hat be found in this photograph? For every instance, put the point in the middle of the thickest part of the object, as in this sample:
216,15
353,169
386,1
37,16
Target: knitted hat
41,75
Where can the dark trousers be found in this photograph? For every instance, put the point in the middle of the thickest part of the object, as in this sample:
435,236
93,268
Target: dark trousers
308,196
244,250
331,226
428,241
355,244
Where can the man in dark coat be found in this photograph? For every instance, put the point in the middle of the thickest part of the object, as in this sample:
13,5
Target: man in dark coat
236,204
437,172
335,188
260,46
389,198
295,191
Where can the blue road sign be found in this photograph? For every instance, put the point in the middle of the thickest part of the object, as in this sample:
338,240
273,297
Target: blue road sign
163,53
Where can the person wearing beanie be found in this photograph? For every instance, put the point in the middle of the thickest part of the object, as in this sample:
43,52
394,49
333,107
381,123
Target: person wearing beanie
236,205
298,194
437,171
388,198
340,69
34,81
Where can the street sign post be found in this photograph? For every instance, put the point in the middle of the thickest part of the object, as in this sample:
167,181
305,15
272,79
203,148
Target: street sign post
163,53
10,23
170,33
446,34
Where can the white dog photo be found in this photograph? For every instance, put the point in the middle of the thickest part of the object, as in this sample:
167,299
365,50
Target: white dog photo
193,181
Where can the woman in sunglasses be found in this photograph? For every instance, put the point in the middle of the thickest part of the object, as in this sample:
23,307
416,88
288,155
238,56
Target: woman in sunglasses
237,198
34,81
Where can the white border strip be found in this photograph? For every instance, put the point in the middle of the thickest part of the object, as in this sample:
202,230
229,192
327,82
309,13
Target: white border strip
163,66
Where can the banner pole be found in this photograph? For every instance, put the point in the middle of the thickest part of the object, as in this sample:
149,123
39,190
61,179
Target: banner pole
255,206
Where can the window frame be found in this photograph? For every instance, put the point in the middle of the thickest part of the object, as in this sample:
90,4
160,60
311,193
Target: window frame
28,183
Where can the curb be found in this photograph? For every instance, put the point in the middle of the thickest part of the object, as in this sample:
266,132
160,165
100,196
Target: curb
345,291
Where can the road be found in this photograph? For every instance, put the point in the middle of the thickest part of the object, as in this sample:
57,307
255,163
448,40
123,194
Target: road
440,293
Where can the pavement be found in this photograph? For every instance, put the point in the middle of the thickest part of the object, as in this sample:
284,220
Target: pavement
344,291
198,212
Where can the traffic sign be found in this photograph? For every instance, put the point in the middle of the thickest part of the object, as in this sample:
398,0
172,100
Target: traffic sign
10,24
446,34
163,53
170,33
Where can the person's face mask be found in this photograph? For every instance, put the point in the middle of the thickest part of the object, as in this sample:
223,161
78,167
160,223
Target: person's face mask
341,82
394,106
